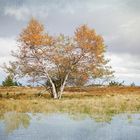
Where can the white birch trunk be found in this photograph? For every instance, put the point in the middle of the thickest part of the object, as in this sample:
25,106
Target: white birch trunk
63,86
55,95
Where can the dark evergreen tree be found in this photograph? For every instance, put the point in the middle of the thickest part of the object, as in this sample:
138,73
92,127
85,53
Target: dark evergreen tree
10,82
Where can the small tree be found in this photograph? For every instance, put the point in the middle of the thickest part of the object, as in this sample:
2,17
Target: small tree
8,81
55,61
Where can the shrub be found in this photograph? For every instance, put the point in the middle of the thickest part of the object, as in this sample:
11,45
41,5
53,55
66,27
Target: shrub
133,84
114,83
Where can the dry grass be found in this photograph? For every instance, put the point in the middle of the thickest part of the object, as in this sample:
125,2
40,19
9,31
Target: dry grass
98,104
70,93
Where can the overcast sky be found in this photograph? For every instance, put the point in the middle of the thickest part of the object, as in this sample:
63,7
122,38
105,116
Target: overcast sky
118,21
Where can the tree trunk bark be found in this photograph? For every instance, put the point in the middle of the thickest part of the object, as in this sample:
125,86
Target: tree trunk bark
55,95
63,86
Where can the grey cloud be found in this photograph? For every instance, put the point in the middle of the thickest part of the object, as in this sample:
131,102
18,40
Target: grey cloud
134,5
106,17
10,27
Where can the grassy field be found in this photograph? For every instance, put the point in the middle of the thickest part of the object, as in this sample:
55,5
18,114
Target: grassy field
74,92
98,103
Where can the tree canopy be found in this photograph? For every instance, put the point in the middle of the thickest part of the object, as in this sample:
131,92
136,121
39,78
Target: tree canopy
55,61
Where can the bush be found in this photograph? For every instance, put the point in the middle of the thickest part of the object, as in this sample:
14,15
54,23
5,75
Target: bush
114,83
133,84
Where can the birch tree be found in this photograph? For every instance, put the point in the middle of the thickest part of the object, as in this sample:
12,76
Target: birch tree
54,60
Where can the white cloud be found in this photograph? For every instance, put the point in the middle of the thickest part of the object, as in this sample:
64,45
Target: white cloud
25,12
42,8
126,67
19,13
6,46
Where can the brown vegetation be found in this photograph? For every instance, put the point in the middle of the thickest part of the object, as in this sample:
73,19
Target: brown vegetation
70,92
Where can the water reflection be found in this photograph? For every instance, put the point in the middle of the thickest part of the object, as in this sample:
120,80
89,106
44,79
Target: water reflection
14,120
27,126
